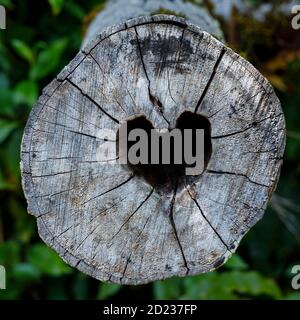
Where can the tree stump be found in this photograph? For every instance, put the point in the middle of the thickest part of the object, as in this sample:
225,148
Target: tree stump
115,225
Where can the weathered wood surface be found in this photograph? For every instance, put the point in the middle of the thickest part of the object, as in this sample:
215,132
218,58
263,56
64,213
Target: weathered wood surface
111,224
115,11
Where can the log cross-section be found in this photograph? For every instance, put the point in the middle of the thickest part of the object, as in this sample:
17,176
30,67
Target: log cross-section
111,223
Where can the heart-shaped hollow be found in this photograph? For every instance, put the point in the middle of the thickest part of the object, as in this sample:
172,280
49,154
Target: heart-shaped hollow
165,178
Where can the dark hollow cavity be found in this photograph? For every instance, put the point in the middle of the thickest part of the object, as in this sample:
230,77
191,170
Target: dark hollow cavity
165,178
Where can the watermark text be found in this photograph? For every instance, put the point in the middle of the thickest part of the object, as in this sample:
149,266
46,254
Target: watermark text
2,278
296,17
2,17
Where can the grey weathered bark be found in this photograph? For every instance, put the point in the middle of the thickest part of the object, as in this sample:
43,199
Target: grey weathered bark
112,224
117,11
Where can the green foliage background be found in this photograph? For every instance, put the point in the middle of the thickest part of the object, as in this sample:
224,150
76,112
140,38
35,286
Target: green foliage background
41,38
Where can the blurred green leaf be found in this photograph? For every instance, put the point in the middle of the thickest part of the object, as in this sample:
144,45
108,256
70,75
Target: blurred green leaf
292,296
6,3
26,92
56,6
108,290
26,273
167,289
6,127
11,155
249,283
4,82
4,59
5,185
48,59
47,260
6,102
205,286
218,285
74,10
9,253
6,95
23,50
236,263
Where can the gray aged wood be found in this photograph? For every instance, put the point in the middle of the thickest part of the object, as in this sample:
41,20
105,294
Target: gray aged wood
111,14
107,222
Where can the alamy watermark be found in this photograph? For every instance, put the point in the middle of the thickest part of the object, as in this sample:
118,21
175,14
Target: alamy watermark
296,278
2,278
159,146
296,18
2,17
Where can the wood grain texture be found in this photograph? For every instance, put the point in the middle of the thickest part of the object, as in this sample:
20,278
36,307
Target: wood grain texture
114,11
107,222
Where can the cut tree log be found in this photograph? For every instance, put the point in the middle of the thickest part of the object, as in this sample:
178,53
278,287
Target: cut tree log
116,11
115,225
